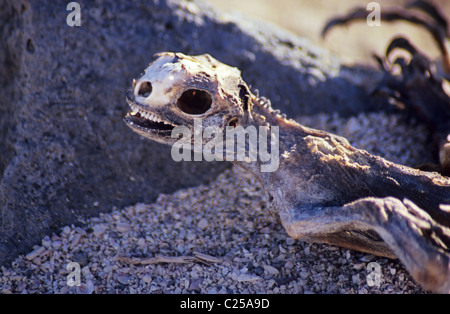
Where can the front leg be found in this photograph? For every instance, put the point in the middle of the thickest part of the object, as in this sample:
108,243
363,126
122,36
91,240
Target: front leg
406,230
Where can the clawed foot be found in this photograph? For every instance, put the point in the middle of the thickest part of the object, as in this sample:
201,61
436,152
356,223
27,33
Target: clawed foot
407,231
419,87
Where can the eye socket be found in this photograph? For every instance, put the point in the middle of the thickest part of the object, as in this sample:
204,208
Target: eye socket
145,89
194,101
233,122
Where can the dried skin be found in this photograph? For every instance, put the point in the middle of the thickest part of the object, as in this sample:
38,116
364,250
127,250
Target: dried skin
324,190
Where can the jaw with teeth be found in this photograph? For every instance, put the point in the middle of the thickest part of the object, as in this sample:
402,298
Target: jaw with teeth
139,113
145,122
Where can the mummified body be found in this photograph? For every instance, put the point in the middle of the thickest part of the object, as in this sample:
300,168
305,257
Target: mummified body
324,190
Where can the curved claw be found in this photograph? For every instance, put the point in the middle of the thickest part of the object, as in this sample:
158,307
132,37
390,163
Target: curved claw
401,43
428,98
393,14
356,14
439,29
419,61
434,22
380,61
430,9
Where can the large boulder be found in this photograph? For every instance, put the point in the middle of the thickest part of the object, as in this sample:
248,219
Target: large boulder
65,153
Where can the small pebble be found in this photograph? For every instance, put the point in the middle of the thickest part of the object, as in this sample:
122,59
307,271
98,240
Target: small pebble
271,270
123,227
203,223
359,266
356,280
147,279
85,288
38,251
289,265
123,279
290,241
247,278
99,229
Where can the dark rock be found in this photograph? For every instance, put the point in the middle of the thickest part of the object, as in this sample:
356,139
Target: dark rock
65,153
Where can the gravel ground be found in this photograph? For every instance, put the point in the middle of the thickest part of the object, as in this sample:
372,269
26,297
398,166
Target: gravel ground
217,238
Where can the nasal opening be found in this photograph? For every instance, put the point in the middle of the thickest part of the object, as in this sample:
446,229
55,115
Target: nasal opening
145,89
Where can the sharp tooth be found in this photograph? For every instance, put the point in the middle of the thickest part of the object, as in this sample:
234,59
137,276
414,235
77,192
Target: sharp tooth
135,109
149,116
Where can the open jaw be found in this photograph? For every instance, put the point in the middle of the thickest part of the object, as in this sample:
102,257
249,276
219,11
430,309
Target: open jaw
145,121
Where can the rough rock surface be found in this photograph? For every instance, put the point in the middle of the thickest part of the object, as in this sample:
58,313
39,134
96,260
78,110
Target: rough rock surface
65,152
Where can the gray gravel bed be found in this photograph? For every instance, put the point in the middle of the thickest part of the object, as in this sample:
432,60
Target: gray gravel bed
218,238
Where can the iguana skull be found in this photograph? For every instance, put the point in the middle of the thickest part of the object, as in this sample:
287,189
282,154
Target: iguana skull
176,89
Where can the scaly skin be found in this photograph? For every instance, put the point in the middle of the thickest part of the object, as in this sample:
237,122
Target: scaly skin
324,190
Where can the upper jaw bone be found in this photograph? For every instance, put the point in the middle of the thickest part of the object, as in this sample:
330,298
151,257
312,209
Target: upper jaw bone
135,110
